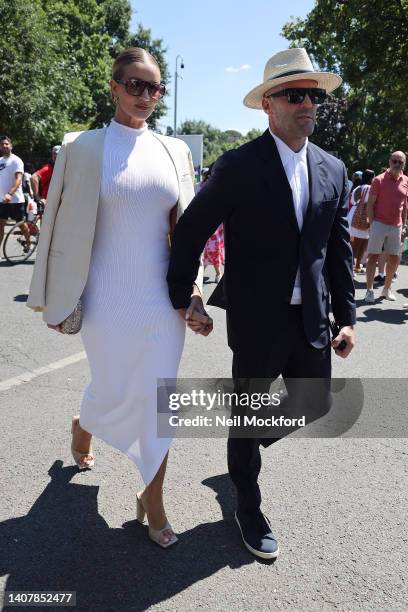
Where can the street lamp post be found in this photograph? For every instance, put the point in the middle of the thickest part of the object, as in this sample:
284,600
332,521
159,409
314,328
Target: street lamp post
176,77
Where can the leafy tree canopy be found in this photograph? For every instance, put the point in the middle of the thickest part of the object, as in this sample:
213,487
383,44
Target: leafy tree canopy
56,64
366,42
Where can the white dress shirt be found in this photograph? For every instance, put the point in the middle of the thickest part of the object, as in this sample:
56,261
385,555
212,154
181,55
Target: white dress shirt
295,166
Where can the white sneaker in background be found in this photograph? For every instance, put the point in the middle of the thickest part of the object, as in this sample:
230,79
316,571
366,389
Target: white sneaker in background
369,297
388,295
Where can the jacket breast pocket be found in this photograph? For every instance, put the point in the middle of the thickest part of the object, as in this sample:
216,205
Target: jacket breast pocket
327,207
329,202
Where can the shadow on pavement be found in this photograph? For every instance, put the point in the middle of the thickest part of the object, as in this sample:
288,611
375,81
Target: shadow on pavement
385,315
64,544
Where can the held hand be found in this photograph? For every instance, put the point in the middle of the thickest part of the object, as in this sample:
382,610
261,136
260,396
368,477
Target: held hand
200,324
56,328
346,334
7,198
196,317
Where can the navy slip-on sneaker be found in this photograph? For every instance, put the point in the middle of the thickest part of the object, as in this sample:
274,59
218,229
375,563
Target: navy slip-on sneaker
257,534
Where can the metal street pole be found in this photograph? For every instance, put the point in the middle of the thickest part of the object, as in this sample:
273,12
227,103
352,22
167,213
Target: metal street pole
176,77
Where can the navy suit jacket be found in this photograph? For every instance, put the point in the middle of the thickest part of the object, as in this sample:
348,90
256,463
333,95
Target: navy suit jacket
248,191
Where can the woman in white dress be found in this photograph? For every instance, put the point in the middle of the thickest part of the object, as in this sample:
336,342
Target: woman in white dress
131,333
359,237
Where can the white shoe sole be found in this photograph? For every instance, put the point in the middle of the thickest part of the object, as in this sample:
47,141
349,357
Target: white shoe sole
255,552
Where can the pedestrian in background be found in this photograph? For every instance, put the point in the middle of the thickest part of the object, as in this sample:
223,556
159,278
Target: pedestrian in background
353,184
214,248
12,202
358,220
40,180
387,214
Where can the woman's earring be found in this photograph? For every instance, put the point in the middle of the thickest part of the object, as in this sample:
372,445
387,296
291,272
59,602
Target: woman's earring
115,99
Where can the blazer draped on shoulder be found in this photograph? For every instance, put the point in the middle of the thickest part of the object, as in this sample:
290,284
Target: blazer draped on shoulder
68,228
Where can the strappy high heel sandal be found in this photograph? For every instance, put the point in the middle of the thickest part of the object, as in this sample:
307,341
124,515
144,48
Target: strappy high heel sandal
79,457
156,535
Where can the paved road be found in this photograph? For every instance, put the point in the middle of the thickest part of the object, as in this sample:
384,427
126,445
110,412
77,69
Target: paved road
338,506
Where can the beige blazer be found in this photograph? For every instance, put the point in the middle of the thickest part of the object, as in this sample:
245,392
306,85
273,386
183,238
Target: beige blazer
68,228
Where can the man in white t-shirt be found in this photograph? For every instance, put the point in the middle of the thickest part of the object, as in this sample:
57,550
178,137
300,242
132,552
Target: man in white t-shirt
11,192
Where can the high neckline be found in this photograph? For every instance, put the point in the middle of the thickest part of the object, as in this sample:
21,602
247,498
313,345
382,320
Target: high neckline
125,130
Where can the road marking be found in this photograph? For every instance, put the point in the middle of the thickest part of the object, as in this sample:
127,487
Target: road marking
28,376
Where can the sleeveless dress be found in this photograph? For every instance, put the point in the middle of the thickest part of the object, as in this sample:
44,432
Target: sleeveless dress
131,333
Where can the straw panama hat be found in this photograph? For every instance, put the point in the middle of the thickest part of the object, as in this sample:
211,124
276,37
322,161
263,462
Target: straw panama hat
287,66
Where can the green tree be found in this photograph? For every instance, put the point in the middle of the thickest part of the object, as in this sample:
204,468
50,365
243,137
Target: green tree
365,41
36,88
56,65
211,138
215,141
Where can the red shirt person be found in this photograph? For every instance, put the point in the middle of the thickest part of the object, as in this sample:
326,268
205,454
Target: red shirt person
40,180
387,215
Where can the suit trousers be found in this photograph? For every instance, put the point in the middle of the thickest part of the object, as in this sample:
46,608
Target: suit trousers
299,363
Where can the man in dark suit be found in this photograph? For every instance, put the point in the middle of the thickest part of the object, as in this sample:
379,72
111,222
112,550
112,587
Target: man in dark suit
283,202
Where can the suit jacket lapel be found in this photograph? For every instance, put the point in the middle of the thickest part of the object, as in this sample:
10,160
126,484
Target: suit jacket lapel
317,180
274,174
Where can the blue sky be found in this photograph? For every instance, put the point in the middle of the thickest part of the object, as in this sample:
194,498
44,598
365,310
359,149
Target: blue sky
225,45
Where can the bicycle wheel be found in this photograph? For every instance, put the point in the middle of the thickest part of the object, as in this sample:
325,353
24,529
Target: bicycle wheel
15,248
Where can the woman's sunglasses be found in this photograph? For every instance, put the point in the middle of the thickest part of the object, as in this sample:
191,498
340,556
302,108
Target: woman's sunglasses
296,95
136,87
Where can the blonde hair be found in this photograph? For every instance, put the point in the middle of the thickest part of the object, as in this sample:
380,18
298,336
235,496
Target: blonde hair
131,55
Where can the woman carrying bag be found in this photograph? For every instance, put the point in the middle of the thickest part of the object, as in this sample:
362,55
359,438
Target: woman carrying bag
359,229
104,252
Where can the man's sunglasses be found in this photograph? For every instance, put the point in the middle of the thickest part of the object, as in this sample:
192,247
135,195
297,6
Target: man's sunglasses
296,95
398,162
136,87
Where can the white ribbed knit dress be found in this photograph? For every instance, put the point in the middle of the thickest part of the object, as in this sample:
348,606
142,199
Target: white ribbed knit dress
131,333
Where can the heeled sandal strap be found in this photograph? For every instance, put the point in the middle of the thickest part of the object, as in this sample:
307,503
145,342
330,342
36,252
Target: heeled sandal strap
156,535
78,457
